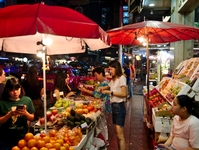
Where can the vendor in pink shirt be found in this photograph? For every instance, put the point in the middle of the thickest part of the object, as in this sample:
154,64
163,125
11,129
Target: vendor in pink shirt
185,128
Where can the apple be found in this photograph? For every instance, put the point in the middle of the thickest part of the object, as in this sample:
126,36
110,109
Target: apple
41,120
54,112
48,115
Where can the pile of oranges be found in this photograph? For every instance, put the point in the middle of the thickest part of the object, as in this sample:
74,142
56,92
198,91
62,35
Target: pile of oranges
64,139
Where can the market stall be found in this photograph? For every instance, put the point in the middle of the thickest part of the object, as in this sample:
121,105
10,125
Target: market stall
70,125
158,103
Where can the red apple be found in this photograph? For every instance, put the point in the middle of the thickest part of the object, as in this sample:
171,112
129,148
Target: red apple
54,112
41,120
48,115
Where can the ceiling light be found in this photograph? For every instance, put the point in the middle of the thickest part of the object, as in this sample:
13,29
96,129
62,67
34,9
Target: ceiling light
151,5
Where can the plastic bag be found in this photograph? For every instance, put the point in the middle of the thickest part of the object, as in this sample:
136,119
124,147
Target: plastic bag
163,135
98,142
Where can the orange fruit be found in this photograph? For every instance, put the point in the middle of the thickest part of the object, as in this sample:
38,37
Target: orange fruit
40,144
48,145
15,148
21,143
37,138
28,136
66,145
31,143
34,148
57,146
25,148
71,148
62,148
46,139
60,141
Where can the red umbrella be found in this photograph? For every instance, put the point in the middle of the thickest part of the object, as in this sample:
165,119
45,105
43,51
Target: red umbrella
153,32
156,31
26,28
22,26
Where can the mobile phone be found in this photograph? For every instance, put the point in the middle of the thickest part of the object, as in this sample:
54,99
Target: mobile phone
20,106
159,147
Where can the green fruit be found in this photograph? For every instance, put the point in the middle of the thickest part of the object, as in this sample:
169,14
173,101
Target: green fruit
71,118
72,112
77,123
70,124
77,118
82,117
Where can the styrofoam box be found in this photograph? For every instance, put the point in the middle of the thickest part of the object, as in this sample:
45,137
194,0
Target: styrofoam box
158,122
195,87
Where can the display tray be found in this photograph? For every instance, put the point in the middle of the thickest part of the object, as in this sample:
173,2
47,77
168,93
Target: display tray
81,143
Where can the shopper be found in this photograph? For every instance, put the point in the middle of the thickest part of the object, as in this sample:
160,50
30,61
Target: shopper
13,121
34,89
117,89
2,79
184,133
127,74
61,85
99,74
132,78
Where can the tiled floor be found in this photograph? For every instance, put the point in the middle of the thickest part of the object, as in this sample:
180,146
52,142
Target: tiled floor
136,132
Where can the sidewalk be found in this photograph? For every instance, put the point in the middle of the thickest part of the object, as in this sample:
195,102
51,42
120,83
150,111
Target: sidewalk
136,132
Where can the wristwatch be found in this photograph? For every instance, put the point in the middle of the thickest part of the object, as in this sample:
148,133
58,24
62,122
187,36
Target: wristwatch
111,93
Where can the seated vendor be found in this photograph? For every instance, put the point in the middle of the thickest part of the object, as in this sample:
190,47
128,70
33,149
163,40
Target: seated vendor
61,85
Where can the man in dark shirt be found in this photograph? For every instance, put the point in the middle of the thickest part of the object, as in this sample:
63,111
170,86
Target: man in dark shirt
2,79
127,73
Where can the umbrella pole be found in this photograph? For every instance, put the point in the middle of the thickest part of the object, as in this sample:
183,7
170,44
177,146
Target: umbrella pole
44,86
147,61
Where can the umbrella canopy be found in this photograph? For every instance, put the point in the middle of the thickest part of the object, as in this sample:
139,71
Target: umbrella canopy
152,32
22,26
156,31
25,28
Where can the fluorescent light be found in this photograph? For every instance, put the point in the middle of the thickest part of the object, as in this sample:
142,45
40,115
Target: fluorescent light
151,5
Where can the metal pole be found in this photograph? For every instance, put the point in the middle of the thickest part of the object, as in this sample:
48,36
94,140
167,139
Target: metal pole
44,86
121,24
147,61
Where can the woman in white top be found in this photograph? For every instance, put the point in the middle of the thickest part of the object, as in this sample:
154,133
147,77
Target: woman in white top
117,88
185,128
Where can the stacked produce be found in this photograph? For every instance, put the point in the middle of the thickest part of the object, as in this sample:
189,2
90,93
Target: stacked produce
155,98
63,139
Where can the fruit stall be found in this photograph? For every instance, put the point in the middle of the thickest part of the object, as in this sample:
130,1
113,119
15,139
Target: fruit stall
71,125
158,103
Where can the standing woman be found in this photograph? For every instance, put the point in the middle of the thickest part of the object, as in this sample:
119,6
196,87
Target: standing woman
34,89
117,89
13,121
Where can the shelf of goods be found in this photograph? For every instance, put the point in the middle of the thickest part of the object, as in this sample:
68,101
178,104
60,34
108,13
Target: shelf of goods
185,81
169,88
81,114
